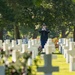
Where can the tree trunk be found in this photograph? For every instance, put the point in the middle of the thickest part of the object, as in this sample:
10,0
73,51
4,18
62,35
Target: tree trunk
63,33
74,33
16,32
35,34
1,33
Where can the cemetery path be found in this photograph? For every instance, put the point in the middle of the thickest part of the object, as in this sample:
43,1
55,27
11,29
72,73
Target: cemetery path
63,66
60,62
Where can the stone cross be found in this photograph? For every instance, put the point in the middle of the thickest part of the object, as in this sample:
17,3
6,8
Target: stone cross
24,48
37,44
66,47
36,41
1,43
33,42
33,47
49,47
2,70
15,55
71,39
63,44
5,46
7,41
49,42
48,68
29,43
13,43
19,41
34,52
60,48
72,60
29,63
71,47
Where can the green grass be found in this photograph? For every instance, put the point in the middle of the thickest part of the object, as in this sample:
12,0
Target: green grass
63,66
60,62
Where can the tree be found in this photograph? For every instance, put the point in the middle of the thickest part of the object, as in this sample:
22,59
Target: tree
57,14
3,13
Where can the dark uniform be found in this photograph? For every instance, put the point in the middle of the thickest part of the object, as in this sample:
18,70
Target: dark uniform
44,36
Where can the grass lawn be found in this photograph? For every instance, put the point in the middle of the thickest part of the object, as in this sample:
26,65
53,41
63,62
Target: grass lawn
60,62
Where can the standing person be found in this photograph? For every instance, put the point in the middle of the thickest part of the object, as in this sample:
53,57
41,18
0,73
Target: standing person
44,34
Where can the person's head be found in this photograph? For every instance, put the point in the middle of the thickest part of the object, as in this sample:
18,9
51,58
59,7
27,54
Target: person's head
44,25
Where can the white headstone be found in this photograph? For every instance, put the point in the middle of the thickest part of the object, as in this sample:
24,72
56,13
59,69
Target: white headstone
1,43
2,70
33,42
67,42
36,41
71,47
60,47
72,64
24,48
33,54
64,40
71,39
13,43
44,49
6,60
63,44
5,46
60,40
29,43
18,47
7,41
14,55
49,41
72,60
66,47
29,62
19,41
48,49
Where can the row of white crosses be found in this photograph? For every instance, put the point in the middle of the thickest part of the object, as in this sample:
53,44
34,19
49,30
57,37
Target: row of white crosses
20,48
31,46
68,50
2,68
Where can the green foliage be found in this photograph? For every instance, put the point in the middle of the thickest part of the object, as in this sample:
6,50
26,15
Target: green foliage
37,2
29,13
29,69
73,0
26,3
6,11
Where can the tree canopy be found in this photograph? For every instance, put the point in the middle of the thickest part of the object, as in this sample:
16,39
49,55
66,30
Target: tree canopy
18,14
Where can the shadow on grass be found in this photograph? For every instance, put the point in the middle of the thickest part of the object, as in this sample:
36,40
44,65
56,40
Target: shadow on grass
57,53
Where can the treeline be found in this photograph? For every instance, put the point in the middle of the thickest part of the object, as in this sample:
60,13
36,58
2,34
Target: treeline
20,17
